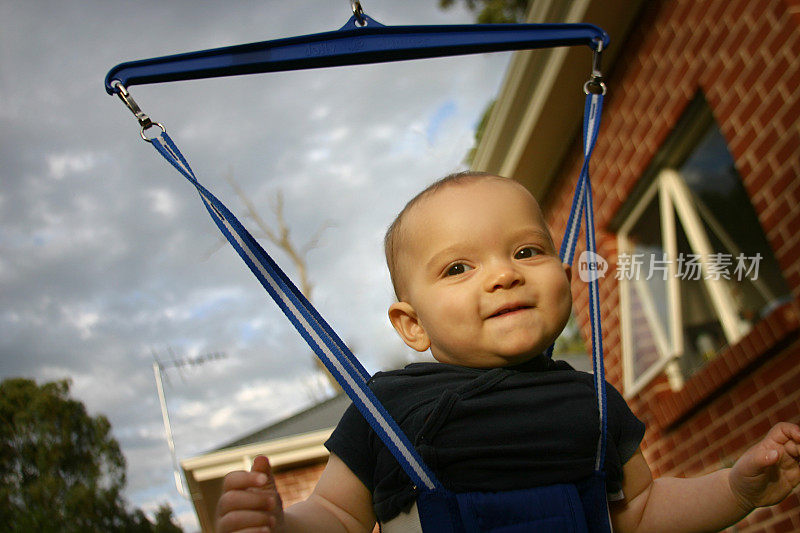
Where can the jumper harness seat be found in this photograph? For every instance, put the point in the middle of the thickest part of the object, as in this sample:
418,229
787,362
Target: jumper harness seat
579,507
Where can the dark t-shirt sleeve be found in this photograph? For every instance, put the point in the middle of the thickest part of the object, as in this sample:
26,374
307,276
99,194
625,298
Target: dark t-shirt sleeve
348,441
630,429
625,434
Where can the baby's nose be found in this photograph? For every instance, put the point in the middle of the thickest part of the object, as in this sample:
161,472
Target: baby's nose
503,276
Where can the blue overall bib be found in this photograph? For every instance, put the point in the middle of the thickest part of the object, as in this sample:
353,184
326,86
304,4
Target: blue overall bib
569,508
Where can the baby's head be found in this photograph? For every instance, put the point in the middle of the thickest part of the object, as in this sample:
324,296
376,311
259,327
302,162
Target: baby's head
476,274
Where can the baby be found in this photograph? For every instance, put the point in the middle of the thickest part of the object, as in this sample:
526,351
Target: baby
479,284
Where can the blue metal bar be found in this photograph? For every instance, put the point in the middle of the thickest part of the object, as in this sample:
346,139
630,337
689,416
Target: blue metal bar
353,44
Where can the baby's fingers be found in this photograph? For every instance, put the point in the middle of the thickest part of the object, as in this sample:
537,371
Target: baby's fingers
784,432
793,448
784,437
250,499
242,521
793,430
241,480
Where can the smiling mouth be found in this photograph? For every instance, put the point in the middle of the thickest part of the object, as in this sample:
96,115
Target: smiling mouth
510,309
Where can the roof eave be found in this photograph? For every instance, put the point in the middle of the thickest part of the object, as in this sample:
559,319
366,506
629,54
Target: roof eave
537,115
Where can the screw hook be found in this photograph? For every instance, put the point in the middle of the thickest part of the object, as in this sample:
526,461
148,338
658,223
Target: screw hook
358,11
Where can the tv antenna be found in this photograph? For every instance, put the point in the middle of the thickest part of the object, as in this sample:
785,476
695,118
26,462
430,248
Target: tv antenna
158,368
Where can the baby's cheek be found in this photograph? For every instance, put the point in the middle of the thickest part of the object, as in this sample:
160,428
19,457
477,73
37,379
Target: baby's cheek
563,295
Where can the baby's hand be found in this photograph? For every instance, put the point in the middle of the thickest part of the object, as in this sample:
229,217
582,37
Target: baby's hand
250,500
768,471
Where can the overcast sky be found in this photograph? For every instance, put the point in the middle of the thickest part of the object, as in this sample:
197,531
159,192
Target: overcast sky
107,256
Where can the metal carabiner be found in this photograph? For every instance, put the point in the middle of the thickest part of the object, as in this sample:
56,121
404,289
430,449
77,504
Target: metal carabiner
144,121
595,83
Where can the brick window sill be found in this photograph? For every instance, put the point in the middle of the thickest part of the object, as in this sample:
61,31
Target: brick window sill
673,406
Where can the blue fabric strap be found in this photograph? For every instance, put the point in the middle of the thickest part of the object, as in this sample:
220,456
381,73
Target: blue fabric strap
582,206
591,125
338,359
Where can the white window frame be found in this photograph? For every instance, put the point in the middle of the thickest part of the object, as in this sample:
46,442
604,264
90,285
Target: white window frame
674,197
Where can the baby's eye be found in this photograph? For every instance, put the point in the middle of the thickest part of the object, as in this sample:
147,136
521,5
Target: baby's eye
526,253
457,269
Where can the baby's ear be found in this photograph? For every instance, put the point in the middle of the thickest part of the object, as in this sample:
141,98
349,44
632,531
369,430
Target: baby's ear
406,322
567,270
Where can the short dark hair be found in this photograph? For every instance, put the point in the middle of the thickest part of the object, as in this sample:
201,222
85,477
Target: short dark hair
390,241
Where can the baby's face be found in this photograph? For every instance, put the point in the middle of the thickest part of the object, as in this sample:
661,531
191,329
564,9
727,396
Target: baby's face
482,283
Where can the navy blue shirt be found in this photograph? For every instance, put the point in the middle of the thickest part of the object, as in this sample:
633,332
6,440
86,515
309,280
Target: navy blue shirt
487,430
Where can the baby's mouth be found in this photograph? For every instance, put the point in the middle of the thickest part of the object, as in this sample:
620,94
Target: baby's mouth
510,309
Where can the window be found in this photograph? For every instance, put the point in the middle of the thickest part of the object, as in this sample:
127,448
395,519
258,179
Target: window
695,269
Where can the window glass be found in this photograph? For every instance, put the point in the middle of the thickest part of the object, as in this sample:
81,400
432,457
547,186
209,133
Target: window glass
649,310
645,351
703,336
733,228
722,276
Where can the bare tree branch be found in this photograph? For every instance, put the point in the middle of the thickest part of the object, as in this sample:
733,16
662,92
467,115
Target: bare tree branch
313,242
281,237
221,241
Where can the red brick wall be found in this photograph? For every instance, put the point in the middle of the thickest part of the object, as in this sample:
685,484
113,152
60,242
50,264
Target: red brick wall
297,484
744,55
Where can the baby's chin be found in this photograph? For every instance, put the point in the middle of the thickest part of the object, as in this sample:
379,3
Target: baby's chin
486,361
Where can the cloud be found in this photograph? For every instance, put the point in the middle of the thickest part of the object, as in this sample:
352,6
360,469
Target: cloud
84,322
107,255
162,202
64,164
